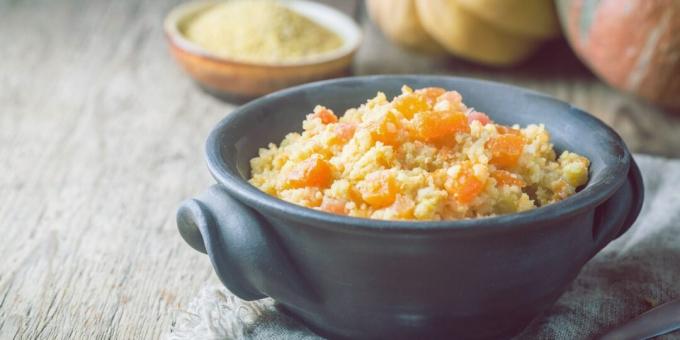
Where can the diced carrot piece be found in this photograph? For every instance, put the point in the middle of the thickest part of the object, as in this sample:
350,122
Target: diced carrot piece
507,178
334,205
313,172
386,129
466,186
434,126
479,116
410,104
506,150
431,94
379,189
326,115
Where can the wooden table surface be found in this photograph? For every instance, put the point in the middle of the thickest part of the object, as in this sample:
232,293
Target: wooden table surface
101,137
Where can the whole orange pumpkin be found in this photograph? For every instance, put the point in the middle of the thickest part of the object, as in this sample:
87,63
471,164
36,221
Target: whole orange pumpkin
634,45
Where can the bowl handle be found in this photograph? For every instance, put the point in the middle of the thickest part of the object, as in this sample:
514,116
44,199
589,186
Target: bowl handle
243,248
617,214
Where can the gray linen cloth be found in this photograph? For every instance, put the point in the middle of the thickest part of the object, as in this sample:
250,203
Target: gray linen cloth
631,275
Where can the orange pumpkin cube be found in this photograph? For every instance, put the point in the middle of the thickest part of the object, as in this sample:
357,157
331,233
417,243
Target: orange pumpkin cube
465,187
506,150
386,129
433,126
507,178
410,104
379,189
314,172
326,115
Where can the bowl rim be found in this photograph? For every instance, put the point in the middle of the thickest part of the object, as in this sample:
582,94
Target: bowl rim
182,10
589,197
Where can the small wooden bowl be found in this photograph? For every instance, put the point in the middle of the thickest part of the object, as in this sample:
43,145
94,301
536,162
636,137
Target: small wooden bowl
241,80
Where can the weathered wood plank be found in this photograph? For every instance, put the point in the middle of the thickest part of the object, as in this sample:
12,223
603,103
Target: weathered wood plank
101,137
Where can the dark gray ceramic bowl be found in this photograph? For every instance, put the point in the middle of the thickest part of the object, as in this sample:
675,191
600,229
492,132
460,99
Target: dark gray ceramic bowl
359,278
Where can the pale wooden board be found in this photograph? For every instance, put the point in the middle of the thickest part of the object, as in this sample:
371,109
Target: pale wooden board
101,137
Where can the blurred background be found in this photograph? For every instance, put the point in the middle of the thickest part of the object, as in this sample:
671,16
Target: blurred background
102,129
96,45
